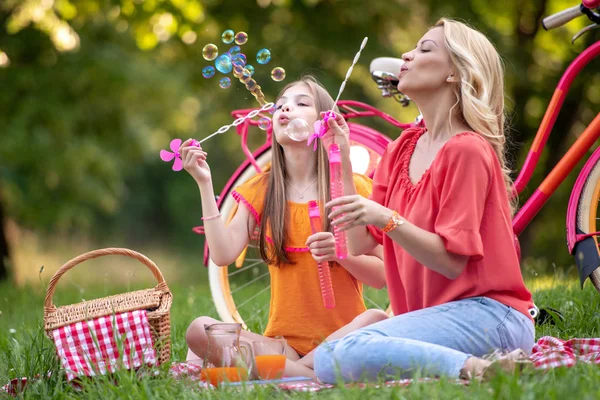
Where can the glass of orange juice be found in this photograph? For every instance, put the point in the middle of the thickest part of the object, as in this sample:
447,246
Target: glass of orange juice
270,358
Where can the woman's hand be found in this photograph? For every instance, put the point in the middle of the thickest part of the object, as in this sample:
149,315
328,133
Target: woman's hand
194,161
322,246
338,132
357,210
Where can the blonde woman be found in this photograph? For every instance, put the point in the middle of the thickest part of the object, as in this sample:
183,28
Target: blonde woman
440,207
277,202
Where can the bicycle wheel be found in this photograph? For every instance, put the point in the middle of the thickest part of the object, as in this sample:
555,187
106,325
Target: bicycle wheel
588,215
241,291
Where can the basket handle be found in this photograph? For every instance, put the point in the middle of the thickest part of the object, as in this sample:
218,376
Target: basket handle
162,285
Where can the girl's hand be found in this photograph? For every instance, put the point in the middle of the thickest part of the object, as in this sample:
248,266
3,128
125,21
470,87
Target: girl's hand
337,132
194,161
357,211
322,246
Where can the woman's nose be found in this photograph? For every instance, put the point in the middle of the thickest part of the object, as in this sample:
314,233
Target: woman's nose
285,107
407,56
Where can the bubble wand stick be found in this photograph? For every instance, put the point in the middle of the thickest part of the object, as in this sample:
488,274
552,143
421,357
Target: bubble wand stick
336,180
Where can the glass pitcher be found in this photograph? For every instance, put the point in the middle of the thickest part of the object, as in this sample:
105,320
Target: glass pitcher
227,358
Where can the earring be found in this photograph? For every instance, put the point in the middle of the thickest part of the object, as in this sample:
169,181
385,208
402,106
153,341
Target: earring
449,78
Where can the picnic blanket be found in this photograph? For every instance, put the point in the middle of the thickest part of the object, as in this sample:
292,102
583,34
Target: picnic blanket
548,353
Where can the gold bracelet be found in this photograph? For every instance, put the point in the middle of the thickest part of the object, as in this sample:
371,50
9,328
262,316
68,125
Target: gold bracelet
394,221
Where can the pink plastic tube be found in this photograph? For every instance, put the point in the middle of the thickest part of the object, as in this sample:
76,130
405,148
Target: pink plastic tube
324,272
337,190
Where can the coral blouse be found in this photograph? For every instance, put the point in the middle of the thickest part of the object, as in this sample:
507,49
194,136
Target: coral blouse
462,198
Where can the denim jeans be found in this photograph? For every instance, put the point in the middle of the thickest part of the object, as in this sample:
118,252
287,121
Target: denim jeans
435,341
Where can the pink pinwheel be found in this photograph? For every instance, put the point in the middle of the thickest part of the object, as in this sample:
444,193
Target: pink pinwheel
167,156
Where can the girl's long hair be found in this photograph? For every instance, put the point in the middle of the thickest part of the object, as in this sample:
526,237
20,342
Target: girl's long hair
275,211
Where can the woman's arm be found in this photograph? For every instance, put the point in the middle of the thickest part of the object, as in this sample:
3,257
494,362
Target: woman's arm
426,247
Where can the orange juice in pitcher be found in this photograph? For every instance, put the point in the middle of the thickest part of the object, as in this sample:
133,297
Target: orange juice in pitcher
216,375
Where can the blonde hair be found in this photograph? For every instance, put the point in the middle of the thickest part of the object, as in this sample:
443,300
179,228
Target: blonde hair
480,89
275,206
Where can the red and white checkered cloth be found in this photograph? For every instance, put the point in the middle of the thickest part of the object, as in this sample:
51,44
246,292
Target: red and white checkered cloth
550,352
94,347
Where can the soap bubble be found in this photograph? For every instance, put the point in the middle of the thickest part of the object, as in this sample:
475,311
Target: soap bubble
264,123
208,72
223,63
227,36
298,130
224,83
263,56
239,59
210,52
234,50
241,38
278,74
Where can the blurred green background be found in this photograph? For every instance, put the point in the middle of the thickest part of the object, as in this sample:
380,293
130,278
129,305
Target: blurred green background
92,90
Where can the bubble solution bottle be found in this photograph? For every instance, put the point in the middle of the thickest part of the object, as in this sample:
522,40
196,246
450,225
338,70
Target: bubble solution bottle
337,190
324,272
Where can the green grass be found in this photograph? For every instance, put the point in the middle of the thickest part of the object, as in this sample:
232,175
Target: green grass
25,351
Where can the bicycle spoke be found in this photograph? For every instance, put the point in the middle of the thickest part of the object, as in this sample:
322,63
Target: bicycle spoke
372,302
253,297
257,313
250,282
256,262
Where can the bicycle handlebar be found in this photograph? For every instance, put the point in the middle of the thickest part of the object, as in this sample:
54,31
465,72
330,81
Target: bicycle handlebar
562,17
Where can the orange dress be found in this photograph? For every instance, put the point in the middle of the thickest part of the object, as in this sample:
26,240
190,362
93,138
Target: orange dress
462,198
296,309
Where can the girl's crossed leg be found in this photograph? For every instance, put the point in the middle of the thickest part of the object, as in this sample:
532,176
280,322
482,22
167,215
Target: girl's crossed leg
296,365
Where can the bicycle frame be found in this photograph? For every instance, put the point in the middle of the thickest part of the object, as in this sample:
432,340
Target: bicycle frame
566,164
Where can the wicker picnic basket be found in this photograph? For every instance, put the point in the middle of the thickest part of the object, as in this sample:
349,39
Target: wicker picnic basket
156,301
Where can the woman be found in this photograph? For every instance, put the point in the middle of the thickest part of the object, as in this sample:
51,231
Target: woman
441,208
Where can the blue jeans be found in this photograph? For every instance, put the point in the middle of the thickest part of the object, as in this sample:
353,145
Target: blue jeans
435,341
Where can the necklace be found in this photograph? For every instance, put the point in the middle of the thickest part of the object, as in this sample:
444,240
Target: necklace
301,193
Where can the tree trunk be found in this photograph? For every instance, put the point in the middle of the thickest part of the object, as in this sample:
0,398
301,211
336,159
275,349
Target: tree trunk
4,252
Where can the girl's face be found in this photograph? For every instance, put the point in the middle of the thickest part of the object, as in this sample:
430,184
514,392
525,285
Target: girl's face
427,67
296,102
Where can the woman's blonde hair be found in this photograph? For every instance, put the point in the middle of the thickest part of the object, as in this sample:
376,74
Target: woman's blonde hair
275,207
479,89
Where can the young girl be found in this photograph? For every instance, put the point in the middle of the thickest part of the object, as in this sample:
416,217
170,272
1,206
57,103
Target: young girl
441,208
276,202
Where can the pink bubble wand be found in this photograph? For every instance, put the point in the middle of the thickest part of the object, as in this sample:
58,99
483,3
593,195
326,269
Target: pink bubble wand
324,272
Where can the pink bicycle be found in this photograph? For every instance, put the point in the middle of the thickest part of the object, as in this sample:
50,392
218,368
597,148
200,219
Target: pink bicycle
240,292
